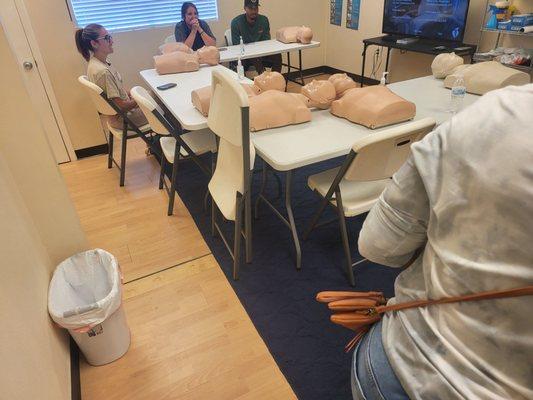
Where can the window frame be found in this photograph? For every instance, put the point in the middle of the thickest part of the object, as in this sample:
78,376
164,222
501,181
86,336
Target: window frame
74,20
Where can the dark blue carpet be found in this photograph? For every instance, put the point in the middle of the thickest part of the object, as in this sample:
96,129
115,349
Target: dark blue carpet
281,300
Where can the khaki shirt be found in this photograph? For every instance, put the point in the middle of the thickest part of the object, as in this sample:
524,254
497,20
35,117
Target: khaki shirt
465,197
107,78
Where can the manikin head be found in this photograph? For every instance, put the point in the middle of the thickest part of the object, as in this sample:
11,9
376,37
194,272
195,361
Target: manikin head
269,80
320,92
208,55
251,8
444,64
304,35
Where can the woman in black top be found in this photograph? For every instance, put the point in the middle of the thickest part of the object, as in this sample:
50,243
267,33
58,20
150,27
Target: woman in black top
192,31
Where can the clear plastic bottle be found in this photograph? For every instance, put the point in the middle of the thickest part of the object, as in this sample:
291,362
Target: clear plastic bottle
241,43
383,80
240,70
458,93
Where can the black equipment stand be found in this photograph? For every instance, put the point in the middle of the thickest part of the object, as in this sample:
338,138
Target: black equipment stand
425,46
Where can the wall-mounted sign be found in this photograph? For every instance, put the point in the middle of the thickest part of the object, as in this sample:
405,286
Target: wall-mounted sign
352,14
335,12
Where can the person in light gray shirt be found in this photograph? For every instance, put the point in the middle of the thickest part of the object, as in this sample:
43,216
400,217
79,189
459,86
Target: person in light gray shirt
462,208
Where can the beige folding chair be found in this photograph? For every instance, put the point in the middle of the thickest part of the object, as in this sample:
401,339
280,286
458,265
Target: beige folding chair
230,184
227,35
354,187
175,143
129,130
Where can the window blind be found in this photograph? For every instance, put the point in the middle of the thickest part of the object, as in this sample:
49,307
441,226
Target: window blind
123,15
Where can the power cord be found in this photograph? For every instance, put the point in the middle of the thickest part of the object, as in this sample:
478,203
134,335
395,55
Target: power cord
377,60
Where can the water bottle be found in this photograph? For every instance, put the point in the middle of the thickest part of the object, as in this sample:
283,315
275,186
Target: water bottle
240,70
241,43
457,94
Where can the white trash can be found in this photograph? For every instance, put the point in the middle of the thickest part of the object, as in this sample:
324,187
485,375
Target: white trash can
85,297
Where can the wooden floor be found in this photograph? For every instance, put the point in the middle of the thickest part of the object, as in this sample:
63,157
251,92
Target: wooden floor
191,338
131,221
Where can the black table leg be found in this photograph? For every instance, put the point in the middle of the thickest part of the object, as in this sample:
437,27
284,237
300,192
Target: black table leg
301,72
363,65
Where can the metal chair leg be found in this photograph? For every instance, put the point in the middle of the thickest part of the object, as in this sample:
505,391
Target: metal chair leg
278,180
173,180
162,173
344,236
290,217
264,178
123,157
237,237
248,226
207,194
110,150
316,218
301,72
213,216
288,70
206,200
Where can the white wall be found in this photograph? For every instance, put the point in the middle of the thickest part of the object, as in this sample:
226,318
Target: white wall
39,228
341,48
134,51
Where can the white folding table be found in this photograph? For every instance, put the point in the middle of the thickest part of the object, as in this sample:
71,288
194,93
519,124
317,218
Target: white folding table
289,148
327,136
267,48
178,99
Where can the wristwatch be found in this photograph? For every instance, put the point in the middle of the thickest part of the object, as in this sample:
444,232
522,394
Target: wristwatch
201,32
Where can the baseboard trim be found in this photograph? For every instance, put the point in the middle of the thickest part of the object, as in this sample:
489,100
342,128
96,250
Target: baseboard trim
75,382
325,69
92,151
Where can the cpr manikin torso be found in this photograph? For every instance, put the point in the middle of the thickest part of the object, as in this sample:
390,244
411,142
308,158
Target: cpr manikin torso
269,80
294,34
304,35
208,55
320,93
273,109
486,76
178,61
342,83
444,64
201,98
373,107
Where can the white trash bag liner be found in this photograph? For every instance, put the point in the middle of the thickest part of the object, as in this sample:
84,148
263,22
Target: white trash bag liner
85,290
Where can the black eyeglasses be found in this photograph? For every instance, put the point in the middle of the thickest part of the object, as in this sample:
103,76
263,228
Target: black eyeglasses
107,38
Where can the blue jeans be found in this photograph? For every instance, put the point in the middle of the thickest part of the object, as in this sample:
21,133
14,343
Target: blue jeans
372,374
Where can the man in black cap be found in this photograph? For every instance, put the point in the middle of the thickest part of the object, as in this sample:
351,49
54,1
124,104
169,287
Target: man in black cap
253,27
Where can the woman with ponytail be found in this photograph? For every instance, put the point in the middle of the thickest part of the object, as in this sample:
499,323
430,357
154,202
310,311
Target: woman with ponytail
95,44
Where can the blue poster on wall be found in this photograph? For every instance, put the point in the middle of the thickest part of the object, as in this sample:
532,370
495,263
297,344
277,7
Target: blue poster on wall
335,12
352,14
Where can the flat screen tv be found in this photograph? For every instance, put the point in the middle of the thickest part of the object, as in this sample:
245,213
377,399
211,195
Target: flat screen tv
431,19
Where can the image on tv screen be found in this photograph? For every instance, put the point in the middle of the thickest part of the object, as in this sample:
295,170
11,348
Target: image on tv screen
434,19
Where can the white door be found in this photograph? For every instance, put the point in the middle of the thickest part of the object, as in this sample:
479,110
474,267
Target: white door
16,24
